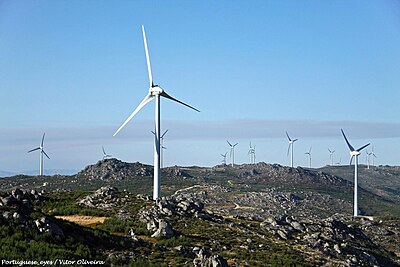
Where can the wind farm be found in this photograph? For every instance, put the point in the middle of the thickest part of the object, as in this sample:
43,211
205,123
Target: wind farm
254,179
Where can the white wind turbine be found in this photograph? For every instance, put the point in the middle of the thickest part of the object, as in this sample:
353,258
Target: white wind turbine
309,155
367,157
252,154
41,148
373,157
105,155
232,153
354,153
291,144
223,161
331,155
155,91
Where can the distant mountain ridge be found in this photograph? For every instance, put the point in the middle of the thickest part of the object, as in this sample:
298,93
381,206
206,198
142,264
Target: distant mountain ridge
35,172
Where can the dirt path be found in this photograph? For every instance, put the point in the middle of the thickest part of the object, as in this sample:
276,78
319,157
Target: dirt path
82,219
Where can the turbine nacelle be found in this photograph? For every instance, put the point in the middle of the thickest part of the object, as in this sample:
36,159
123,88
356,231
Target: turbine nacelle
155,90
354,153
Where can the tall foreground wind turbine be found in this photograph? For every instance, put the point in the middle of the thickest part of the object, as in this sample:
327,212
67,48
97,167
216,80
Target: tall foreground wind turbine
309,155
291,144
41,148
331,155
354,153
155,91
232,154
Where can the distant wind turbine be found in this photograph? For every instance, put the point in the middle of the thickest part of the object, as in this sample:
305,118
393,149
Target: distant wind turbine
367,157
340,161
373,157
331,155
309,155
252,154
41,148
232,153
105,155
291,144
155,91
354,153
224,158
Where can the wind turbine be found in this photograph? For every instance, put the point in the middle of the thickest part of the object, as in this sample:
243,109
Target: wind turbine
367,157
105,155
340,161
291,144
373,157
354,153
155,91
331,155
224,158
252,154
41,148
232,153
309,155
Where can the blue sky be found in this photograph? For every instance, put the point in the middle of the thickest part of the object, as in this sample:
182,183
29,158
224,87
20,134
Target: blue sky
77,69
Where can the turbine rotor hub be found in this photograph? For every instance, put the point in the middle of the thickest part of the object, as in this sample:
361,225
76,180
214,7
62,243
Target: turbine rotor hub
156,90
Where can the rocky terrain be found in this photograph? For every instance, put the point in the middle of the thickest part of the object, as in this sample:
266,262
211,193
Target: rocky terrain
246,215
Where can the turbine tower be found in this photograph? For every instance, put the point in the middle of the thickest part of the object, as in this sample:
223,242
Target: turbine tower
105,155
223,161
309,155
354,153
162,147
291,144
331,155
155,91
41,148
232,153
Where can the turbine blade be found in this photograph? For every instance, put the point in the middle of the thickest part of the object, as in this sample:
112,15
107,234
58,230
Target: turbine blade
288,136
147,57
34,149
295,140
229,143
43,139
374,155
330,151
146,100
235,144
104,152
45,154
164,133
288,149
351,159
361,148
164,94
153,132
347,141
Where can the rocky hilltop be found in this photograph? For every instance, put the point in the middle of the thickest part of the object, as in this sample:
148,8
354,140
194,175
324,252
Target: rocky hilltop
114,169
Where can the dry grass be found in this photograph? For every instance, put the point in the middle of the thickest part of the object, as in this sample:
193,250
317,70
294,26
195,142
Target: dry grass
82,219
